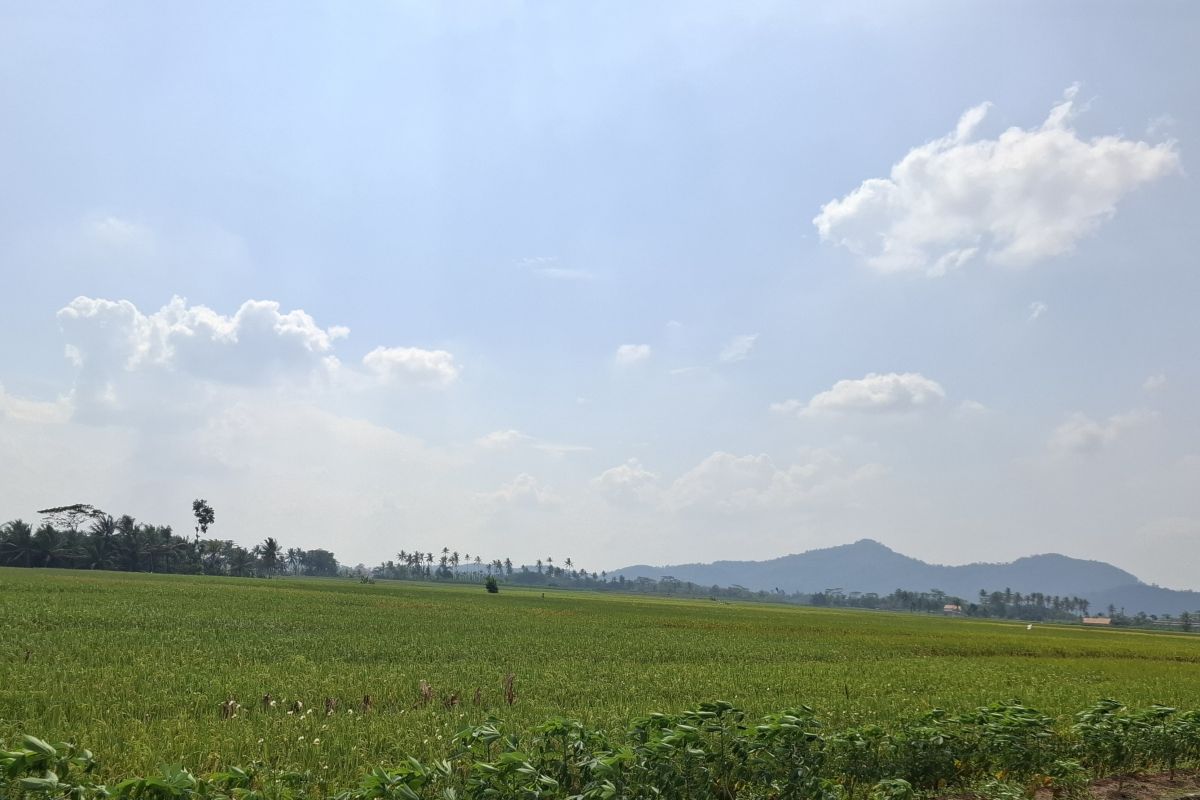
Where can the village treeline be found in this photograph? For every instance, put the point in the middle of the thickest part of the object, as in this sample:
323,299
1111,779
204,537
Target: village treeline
81,536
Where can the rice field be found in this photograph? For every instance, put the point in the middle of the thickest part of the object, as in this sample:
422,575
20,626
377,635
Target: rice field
149,670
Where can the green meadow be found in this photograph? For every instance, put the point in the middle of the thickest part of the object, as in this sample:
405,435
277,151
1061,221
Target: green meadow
137,667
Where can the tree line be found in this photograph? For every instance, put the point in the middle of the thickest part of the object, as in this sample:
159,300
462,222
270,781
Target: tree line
80,536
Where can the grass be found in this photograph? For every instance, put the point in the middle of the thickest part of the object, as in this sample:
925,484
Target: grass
137,666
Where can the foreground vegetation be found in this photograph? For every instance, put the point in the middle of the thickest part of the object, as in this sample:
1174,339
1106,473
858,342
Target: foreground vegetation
151,670
1002,751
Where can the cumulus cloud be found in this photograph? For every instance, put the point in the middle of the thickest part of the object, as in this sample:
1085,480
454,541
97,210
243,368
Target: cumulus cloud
523,491
256,342
1082,435
412,364
628,483
729,483
630,354
875,393
112,341
738,348
1023,197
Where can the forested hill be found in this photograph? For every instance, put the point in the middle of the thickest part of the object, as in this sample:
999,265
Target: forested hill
868,566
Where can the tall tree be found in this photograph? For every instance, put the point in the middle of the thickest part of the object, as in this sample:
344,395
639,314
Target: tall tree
204,514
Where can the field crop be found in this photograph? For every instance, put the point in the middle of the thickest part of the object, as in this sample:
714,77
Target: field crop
150,670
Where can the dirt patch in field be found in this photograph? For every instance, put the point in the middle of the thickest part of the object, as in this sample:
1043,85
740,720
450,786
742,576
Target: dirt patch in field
1160,786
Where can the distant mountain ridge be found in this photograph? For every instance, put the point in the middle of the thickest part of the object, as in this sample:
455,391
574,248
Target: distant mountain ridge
868,566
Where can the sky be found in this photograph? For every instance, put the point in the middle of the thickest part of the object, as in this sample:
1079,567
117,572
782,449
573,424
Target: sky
619,282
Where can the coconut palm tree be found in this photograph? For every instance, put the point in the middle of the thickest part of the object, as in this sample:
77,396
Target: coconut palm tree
17,547
98,554
53,548
268,554
241,562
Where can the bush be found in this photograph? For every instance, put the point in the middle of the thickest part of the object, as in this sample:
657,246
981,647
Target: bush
492,586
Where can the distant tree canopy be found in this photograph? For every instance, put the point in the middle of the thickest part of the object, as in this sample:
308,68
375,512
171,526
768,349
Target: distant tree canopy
81,536
70,517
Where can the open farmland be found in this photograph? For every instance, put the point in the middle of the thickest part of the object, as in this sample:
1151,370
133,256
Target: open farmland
137,666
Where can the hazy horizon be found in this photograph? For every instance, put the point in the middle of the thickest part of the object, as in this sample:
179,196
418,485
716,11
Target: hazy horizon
619,283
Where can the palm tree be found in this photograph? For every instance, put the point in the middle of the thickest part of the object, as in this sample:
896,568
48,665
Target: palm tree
268,553
295,558
241,562
17,547
100,544
131,547
52,547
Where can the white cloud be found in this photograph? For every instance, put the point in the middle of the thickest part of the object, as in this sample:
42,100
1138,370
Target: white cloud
1022,197
630,354
629,483
523,491
971,408
1082,435
412,364
502,440
37,411
875,393
257,342
729,483
120,234
1155,382
565,274
738,348
549,267
1160,126
511,438
115,345
1036,309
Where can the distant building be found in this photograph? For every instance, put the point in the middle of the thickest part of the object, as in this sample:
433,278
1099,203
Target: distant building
952,608
1097,621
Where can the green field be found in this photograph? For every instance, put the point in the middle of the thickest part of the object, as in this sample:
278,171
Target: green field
137,666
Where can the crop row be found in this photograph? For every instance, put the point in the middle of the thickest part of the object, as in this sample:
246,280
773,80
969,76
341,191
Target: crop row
1005,750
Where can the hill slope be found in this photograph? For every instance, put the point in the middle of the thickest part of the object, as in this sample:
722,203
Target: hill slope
868,566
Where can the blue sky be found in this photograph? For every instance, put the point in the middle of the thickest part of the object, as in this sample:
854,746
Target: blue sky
609,281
